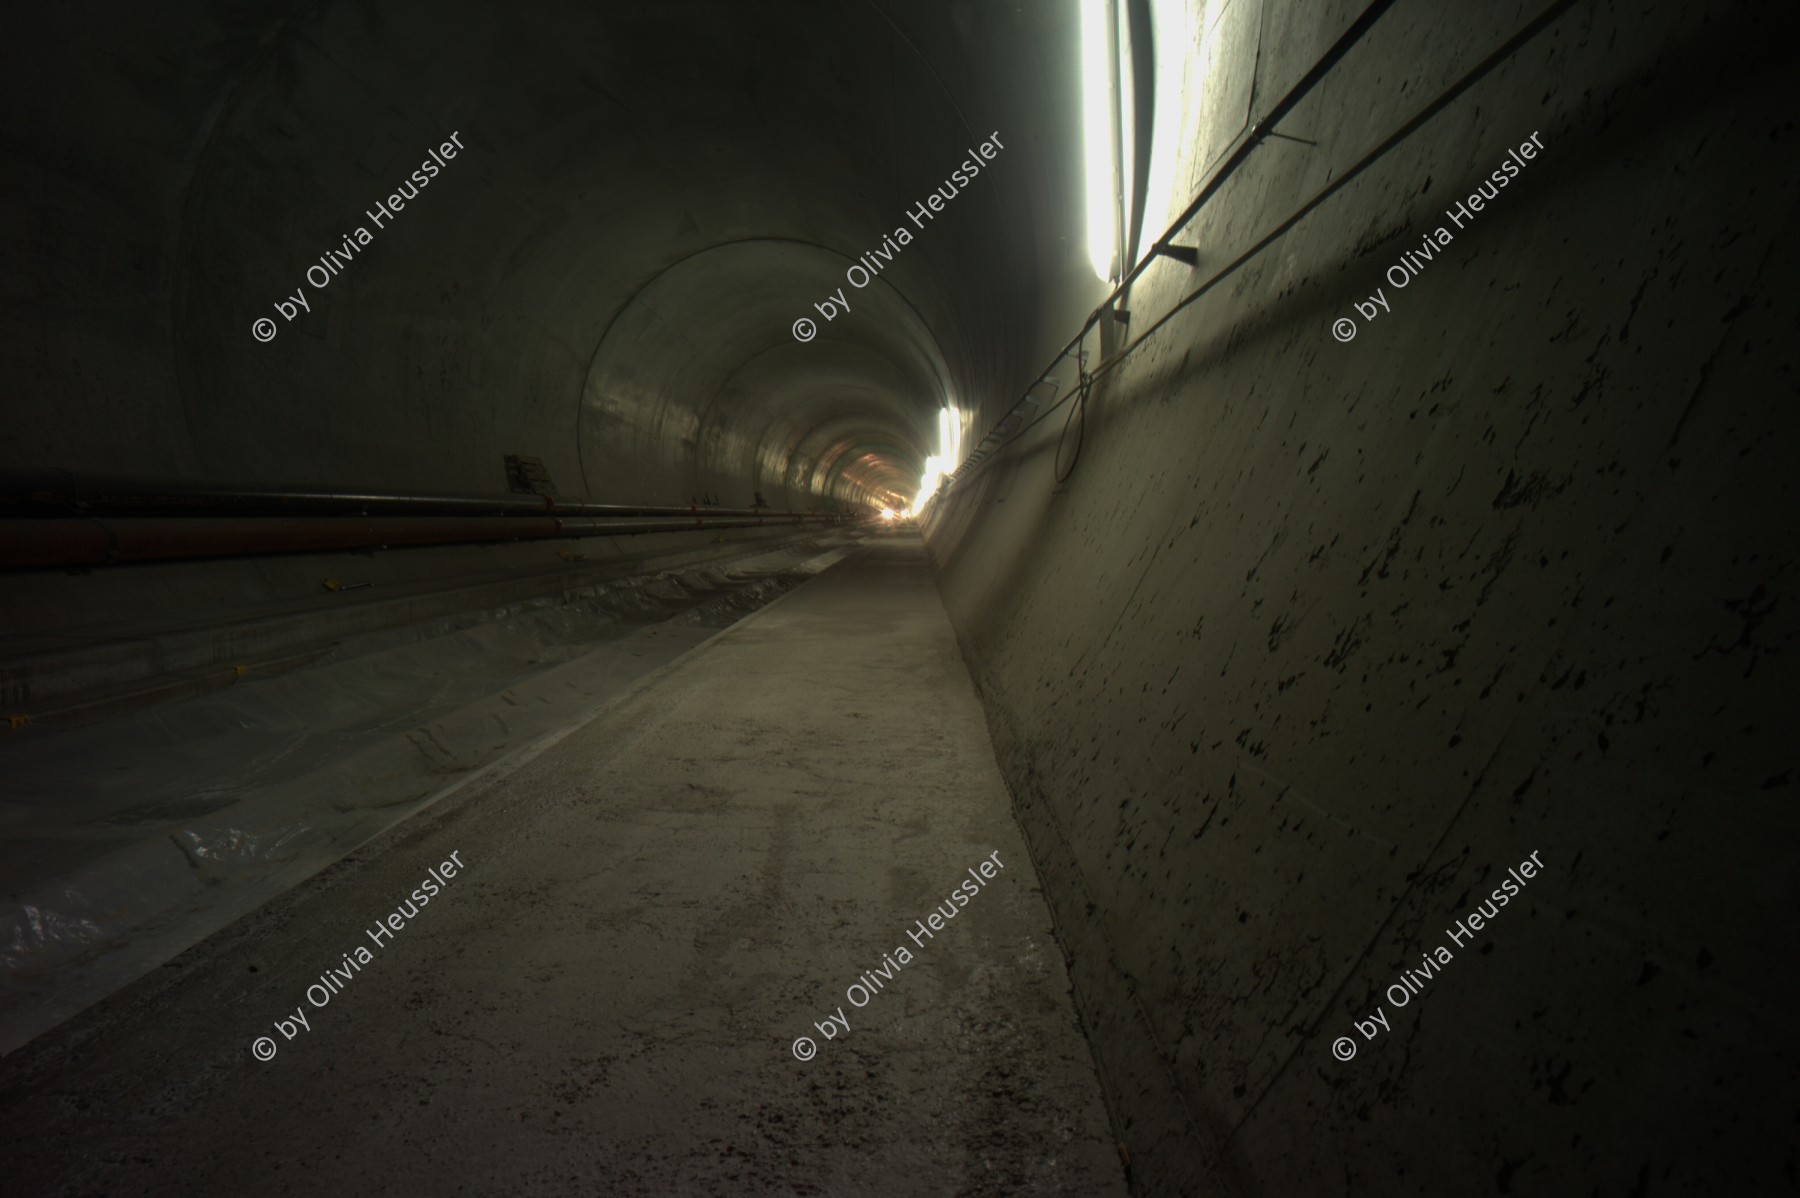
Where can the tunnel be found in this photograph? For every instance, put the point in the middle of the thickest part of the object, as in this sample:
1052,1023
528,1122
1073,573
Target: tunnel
847,597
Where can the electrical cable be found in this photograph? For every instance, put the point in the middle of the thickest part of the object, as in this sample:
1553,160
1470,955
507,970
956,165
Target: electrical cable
1078,413
1263,127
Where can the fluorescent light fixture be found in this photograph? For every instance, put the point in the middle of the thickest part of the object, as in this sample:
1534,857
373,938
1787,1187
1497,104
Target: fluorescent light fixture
946,459
1126,118
1171,34
928,482
1099,129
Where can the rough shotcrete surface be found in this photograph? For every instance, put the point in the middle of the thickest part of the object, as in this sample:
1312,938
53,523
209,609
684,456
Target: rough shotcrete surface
604,999
603,278
1319,639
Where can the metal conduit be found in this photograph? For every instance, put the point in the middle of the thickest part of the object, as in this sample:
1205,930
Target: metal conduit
84,542
64,493
58,520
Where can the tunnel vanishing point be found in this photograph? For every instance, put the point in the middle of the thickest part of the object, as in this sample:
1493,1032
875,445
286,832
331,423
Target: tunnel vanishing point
848,597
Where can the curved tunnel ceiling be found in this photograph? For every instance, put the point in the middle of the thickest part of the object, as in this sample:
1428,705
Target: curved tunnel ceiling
706,350
608,274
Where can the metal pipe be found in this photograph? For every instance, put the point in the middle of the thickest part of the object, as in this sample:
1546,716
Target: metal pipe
63,493
59,542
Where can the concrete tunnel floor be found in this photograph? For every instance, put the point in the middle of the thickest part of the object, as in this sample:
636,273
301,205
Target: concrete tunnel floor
606,996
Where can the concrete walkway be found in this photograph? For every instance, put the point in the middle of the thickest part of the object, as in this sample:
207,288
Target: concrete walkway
627,936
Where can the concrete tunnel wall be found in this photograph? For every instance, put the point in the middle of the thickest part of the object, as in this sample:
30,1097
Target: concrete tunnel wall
1317,640
1313,639
605,277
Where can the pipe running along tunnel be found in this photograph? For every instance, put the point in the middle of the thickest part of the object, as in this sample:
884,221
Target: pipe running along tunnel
996,597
